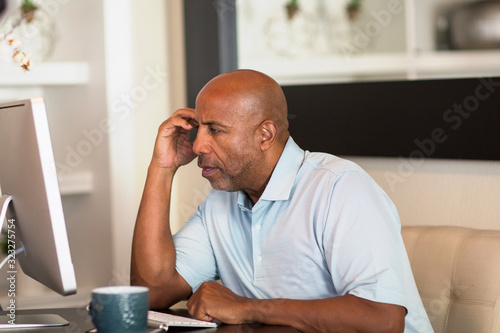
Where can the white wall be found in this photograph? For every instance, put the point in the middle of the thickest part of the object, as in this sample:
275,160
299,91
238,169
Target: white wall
146,77
72,110
440,192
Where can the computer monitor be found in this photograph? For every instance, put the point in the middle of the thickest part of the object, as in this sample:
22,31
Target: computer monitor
28,180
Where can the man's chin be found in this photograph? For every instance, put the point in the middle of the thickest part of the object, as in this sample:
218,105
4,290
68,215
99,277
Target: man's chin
222,186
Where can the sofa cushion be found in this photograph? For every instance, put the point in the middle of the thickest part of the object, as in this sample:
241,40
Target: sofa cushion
457,271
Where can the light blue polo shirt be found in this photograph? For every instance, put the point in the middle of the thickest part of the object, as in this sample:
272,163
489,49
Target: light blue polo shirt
322,228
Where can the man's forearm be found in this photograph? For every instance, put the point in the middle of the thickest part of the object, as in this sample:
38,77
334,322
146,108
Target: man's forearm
338,314
153,251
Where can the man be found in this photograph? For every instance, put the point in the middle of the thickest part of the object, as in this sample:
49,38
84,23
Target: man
296,238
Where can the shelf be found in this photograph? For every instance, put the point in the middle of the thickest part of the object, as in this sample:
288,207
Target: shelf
45,74
325,69
76,183
332,69
387,41
447,64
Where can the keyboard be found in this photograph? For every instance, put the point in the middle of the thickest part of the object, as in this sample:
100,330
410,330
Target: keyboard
165,320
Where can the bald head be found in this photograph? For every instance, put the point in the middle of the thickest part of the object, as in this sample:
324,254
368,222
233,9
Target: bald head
252,95
243,130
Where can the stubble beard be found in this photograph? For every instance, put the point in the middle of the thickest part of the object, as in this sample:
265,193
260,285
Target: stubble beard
237,176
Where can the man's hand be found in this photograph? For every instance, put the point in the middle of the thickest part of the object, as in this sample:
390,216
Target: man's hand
346,313
173,148
214,301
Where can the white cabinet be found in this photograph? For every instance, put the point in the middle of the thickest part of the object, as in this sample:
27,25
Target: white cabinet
390,39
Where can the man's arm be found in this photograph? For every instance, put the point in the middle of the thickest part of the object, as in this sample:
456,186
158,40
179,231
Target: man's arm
153,251
337,314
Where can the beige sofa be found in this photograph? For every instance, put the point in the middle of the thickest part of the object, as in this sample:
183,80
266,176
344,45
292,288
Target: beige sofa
457,271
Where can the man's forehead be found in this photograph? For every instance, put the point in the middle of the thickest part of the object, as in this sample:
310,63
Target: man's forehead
228,109
212,117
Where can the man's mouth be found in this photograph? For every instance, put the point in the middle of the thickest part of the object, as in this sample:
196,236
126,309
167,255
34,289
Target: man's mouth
208,171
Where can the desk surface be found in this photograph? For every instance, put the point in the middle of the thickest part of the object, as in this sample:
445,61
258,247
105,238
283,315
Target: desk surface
80,323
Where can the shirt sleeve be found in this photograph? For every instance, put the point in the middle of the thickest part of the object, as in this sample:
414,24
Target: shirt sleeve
195,260
362,239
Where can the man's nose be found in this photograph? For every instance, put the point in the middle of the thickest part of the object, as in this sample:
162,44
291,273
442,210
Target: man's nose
200,144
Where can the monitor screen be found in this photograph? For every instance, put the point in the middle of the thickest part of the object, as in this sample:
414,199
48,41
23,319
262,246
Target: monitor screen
28,175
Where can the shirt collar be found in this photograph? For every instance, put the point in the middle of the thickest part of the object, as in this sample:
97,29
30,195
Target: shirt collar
282,179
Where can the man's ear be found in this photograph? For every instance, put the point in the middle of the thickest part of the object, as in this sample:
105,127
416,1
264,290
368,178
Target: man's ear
268,131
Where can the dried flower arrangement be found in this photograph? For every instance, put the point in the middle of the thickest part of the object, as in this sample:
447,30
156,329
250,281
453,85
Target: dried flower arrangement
28,9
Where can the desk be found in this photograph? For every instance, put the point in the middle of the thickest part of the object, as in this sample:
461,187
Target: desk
80,323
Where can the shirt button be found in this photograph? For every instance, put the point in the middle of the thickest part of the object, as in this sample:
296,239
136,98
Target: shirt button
257,227
259,258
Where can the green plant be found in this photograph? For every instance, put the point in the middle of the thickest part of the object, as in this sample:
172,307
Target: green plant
28,8
354,4
292,8
353,7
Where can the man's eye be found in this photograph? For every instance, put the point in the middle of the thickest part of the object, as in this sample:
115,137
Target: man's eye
214,130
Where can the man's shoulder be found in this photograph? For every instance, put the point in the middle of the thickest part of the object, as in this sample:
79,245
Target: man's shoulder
325,172
330,163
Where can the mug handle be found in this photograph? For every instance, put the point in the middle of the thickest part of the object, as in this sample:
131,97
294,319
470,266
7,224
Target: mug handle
89,309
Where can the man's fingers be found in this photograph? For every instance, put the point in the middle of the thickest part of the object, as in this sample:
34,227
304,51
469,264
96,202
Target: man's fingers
172,147
187,115
182,118
200,315
206,318
194,310
174,123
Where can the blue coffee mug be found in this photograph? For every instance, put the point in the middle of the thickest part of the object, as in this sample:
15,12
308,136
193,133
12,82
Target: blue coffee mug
121,309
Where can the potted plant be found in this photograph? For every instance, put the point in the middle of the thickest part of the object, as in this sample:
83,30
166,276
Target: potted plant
353,8
28,8
292,8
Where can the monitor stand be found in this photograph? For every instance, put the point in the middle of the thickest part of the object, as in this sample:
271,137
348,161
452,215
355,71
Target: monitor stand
31,321
10,321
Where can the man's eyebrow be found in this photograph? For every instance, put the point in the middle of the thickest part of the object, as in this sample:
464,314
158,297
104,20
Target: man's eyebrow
213,123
